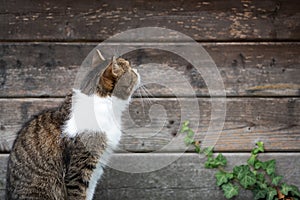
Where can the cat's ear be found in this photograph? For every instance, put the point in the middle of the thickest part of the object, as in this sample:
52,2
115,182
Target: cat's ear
97,58
116,69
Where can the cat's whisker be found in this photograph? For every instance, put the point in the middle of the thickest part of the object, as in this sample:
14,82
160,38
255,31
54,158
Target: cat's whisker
144,94
148,100
147,95
148,92
141,99
116,51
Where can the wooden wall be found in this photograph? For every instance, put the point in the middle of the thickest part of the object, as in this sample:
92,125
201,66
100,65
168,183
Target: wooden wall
255,45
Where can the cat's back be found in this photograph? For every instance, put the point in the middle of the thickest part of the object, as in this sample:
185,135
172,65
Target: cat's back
35,165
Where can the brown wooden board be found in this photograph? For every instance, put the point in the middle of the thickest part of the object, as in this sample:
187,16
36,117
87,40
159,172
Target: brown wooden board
247,69
155,125
186,178
202,20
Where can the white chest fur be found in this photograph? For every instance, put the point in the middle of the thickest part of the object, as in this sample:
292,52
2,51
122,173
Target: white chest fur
96,114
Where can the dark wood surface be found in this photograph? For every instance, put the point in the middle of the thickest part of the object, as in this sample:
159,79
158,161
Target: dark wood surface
247,69
182,179
202,20
148,128
255,45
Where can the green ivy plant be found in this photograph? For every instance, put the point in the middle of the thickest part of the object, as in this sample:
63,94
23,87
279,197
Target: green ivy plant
258,176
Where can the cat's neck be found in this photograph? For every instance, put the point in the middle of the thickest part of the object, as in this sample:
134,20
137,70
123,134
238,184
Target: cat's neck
93,114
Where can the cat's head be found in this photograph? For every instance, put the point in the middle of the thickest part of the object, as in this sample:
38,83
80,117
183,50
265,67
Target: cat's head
111,78
118,79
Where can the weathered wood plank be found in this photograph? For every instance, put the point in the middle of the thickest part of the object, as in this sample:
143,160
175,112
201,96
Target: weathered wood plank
154,126
39,69
209,20
185,178
249,69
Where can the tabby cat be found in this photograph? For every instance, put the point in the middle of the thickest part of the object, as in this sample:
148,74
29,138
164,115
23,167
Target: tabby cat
60,153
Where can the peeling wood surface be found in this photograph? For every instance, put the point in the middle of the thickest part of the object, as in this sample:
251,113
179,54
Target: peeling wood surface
201,20
155,126
255,45
247,69
182,179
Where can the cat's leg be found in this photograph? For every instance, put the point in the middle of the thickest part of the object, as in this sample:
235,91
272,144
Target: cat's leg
96,175
84,168
79,175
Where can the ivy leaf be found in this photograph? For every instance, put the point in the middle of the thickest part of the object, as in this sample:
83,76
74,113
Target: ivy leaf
230,190
251,161
239,171
185,127
248,179
260,177
244,175
262,186
259,148
208,151
190,133
220,160
276,180
197,148
270,167
223,177
285,189
271,193
186,123
210,163
260,145
258,165
295,191
188,140
259,194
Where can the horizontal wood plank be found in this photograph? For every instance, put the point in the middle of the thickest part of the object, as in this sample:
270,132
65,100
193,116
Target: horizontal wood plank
249,69
209,20
154,125
186,178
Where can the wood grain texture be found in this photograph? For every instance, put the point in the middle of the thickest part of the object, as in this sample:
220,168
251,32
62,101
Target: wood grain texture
154,125
201,20
247,69
183,179
255,45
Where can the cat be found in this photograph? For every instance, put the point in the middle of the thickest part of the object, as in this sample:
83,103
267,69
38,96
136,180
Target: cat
60,154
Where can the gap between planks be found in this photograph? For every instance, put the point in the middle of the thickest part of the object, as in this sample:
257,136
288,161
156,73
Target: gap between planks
205,43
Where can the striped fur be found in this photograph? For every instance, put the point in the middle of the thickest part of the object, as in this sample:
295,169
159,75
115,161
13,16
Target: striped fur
60,153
